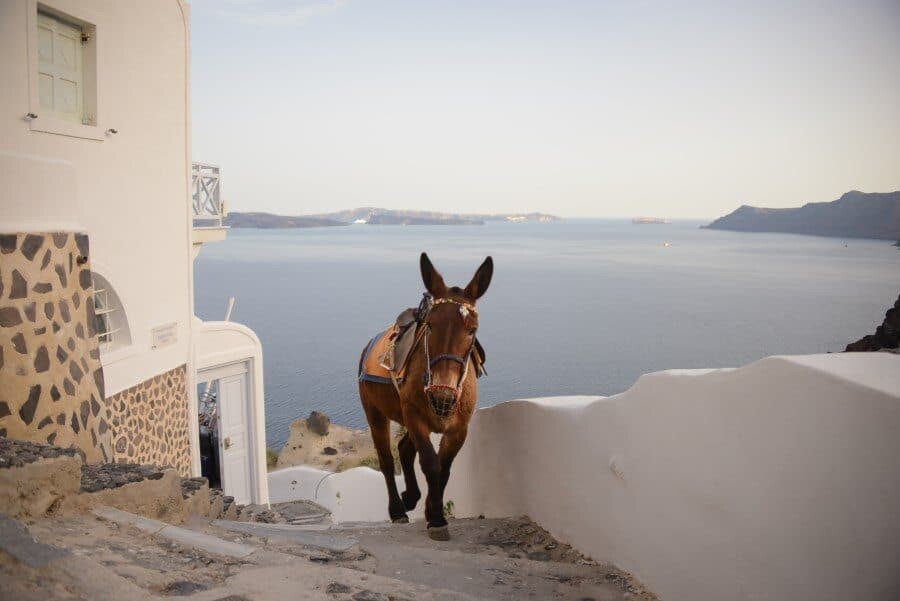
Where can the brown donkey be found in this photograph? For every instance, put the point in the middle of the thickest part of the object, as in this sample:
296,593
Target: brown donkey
437,394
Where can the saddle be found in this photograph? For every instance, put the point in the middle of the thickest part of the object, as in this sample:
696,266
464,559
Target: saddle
389,351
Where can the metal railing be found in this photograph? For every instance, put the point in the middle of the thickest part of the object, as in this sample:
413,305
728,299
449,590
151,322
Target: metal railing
206,193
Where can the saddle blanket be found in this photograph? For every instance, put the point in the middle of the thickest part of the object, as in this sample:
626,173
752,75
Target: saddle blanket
389,351
373,368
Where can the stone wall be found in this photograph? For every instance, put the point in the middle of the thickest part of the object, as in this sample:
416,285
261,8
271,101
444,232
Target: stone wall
51,379
150,422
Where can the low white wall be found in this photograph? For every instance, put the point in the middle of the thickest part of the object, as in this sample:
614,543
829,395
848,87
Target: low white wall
778,480
357,495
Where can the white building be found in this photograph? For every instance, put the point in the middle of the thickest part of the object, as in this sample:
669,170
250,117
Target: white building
101,215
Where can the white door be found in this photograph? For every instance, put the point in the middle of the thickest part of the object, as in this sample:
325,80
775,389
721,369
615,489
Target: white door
233,437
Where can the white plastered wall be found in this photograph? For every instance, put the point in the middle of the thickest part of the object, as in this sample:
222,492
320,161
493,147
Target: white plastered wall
128,191
778,480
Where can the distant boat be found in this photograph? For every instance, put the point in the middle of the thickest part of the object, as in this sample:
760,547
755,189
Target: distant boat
361,221
649,220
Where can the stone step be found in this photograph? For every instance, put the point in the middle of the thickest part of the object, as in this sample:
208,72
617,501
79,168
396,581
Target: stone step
183,536
269,574
294,534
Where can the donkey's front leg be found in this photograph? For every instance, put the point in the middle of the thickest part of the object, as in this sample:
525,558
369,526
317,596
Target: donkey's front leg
431,467
451,442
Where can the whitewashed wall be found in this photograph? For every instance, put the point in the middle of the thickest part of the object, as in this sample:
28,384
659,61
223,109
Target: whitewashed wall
779,480
128,191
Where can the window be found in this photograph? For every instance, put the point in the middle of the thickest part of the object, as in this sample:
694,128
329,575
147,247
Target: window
111,323
63,74
61,69
103,318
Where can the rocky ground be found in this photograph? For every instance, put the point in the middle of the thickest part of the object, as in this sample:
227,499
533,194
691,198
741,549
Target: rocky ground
316,442
112,532
485,559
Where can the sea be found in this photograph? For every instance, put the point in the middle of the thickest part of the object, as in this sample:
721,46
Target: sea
575,307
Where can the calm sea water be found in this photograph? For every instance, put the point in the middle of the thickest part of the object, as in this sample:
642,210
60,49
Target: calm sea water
578,307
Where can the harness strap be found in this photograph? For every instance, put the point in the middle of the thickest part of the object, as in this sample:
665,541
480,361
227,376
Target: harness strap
456,358
422,338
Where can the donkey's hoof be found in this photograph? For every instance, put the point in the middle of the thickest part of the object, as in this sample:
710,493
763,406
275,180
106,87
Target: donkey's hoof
401,520
441,533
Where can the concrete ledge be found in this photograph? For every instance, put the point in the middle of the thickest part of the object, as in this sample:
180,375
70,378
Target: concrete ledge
295,534
206,542
112,514
182,536
160,498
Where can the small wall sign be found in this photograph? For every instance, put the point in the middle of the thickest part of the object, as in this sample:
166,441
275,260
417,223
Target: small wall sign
164,335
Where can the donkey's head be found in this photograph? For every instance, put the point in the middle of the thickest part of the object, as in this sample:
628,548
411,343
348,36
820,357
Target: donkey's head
450,331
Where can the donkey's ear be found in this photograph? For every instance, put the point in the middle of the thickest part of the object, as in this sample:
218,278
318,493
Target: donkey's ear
434,283
481,280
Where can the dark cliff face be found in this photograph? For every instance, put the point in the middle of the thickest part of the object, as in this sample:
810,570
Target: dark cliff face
886,336
854,215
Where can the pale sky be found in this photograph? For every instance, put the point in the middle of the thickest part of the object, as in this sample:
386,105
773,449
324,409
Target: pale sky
591,109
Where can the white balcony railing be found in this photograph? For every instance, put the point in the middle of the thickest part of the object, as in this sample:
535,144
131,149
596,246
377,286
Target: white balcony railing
209,209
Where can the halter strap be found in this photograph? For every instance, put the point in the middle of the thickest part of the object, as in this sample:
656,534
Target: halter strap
463,306
464,310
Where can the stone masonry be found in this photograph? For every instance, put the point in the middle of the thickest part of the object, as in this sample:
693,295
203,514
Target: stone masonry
150,422
51,379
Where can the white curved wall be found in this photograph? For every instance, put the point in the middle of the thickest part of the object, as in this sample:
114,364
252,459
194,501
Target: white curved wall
779,480
357,495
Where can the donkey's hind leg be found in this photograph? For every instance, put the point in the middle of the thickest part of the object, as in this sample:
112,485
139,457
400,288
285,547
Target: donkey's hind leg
379,426
412,494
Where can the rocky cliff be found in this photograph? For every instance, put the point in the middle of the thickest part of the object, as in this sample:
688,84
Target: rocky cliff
886,336
854,215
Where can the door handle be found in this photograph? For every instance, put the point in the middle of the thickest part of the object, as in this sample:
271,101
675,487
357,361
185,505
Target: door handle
227,442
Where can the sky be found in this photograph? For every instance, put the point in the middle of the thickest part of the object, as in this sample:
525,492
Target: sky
580,109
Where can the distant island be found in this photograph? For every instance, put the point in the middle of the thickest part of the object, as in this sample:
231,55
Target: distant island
270,221
376,216
854,215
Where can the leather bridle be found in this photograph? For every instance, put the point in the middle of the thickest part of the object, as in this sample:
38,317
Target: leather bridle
446,408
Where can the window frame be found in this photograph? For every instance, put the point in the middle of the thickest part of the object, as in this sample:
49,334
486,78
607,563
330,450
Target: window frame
119,343
90,23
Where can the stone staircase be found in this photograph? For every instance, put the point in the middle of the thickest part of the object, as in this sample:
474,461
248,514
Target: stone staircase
136,532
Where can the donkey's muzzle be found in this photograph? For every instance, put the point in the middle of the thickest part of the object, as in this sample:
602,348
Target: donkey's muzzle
442,398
